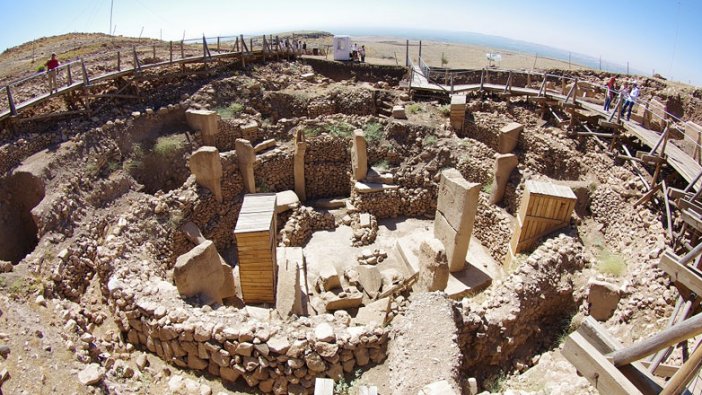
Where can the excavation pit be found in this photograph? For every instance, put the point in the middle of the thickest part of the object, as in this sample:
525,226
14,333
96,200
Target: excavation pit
353,234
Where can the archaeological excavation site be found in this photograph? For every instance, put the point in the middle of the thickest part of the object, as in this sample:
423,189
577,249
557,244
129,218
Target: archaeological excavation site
196,220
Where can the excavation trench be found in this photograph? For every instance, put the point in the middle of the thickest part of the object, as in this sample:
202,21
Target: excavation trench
19,194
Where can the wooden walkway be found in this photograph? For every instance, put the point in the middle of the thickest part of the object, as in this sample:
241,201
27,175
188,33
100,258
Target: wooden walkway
270,48
683,163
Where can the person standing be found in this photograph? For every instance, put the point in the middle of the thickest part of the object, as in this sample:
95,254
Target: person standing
354,52
51,66
362,52
623,96
611,87
630,101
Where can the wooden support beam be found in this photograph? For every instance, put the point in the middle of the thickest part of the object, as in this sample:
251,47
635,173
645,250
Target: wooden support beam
606,135
648,195
688,276
651,159
691,218
596,368
69,75
170,51
11,101
685,374
669,218
86,79
119,61
673,335
243,44
482,78
542,89
662,370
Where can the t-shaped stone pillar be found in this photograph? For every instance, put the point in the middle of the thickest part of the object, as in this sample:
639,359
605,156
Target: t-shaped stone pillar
299,164
246,156
206,165
359,155
504,164
206,122
508,137
455,214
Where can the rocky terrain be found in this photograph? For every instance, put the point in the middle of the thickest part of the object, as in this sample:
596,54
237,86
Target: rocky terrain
94,207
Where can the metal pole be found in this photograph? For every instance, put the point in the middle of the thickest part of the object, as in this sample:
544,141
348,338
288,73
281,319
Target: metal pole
112,5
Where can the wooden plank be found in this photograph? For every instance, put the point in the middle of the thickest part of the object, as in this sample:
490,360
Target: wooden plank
596,368
686,275
663,370
598,336
675,334
691,218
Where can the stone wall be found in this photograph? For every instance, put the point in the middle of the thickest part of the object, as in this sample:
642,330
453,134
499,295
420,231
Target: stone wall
361,71
327,167
300,225
274,170
524,314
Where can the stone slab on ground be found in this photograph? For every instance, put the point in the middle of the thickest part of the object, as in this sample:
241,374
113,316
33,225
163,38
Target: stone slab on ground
424,349
370,279
330,203
264,145
375,312
370,187
398,112
438,388
285,200
288,300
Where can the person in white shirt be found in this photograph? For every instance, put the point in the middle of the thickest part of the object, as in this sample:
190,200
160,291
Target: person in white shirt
630,101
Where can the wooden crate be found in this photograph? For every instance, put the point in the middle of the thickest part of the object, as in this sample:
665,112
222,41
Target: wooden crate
545,207
255,234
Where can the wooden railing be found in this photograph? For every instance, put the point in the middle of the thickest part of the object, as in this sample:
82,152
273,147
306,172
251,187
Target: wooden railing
21,93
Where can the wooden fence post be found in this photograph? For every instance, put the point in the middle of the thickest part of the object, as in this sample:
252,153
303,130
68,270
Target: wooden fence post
407,62
137,65
153,52
170,51
11,101
482,78
119,61
86,79
217,43
70,76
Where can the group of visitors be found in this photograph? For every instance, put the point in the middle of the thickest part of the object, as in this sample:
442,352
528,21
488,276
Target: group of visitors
628,94
296,46
358,54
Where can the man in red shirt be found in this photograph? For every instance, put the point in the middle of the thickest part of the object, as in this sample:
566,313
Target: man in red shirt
51,66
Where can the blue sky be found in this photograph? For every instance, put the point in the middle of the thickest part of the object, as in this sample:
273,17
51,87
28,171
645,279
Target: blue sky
663,35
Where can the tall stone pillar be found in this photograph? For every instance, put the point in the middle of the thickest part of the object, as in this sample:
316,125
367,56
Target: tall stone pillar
206,122
299,164
246,156
509,137
455,214
359,155
206,165
504,164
